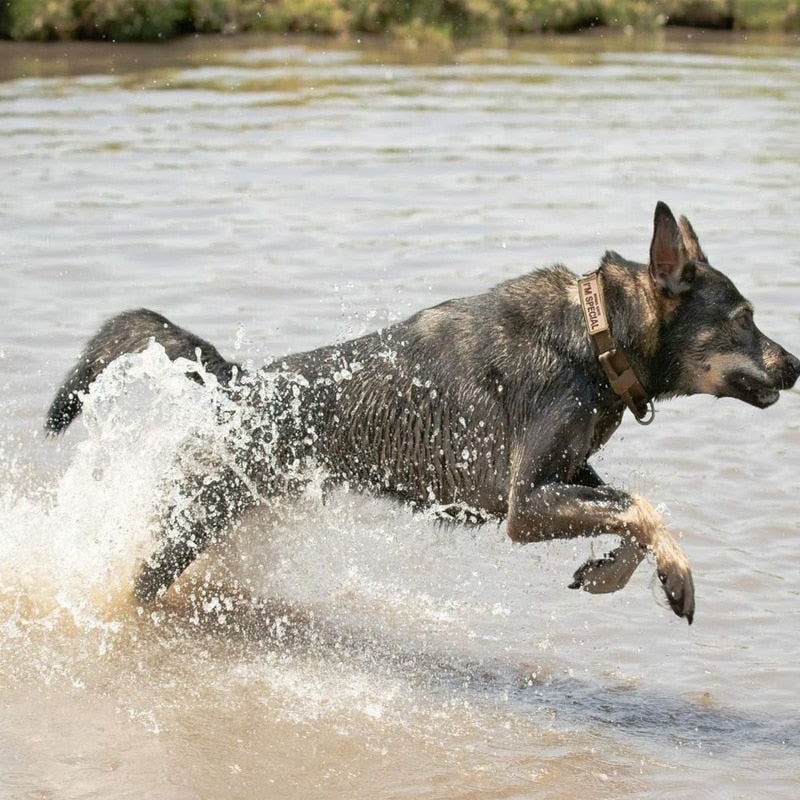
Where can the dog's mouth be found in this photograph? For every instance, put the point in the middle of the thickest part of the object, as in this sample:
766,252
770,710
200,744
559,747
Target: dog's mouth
753,390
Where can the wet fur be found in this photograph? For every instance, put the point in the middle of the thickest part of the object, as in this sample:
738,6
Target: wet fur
481,407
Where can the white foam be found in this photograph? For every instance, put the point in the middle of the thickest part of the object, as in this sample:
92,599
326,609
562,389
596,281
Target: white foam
77,539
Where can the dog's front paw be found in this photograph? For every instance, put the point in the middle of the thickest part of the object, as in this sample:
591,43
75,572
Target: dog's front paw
679,589
676,577
610,573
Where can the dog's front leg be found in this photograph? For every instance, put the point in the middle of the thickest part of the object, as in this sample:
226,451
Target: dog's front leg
613,570
559,511
586,476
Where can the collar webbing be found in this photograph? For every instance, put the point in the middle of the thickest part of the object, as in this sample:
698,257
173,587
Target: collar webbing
618,369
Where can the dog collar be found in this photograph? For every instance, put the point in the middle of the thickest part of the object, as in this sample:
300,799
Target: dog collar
615,364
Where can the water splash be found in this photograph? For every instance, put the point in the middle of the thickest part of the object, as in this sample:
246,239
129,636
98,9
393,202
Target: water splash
73,541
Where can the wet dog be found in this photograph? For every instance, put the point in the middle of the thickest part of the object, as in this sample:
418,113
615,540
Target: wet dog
484,407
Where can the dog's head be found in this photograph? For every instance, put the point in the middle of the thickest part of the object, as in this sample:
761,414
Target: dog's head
709,341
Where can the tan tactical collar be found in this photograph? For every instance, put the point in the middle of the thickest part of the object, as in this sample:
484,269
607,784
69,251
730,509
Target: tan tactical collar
615,363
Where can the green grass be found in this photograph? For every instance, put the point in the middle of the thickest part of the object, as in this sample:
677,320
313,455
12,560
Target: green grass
150,20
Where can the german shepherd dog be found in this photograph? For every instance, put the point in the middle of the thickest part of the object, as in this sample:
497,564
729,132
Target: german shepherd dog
480,408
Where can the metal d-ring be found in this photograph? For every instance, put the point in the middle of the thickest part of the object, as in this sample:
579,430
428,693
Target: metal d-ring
648,417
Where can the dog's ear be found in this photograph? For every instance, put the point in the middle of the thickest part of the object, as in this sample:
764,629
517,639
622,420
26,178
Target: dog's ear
691,242
671,266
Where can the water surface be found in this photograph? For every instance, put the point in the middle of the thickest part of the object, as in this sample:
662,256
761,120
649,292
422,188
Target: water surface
273,197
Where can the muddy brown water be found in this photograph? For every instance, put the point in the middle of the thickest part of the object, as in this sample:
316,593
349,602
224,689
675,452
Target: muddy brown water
274,195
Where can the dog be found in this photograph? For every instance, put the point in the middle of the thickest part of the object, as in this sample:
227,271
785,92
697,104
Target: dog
481,408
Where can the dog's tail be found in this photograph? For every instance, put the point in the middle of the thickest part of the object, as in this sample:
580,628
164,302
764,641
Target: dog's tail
129,332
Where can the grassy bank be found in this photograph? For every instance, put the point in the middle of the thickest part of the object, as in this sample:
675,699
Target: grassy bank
147,20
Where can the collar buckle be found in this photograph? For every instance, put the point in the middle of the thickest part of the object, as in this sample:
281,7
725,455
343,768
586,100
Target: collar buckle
621,382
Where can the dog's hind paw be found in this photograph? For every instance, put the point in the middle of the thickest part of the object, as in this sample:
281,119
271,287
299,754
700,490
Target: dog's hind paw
611,573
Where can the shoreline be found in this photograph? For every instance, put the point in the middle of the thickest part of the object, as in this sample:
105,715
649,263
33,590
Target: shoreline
81,57
27,59
424,21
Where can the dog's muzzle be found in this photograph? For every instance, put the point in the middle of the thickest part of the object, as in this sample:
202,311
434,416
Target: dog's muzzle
762,389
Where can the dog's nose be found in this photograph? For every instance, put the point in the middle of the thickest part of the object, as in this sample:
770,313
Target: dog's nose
792,371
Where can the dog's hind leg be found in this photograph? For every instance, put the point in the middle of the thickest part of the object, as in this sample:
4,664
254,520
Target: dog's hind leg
560,511
209,505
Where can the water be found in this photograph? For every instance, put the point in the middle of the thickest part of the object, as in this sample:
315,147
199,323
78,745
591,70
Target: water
277,195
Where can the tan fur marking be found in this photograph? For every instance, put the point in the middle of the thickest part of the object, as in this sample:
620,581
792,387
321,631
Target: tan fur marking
667,306
710,374
641,521
703,339
673,567
773,359
430,320
572,294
